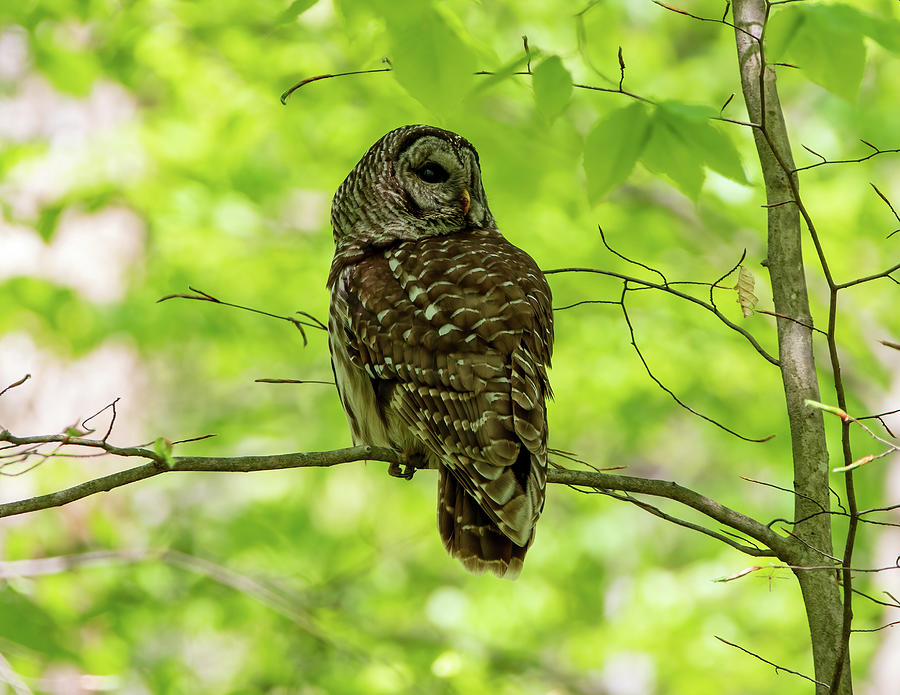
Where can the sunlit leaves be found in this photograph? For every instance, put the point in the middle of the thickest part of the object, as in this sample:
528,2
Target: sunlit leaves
162,447
552,87
295,9
429,57
826,42
669,152
673,139
613,146
72,71
714,149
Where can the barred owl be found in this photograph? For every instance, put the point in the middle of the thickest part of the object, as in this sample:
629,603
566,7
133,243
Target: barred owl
440,334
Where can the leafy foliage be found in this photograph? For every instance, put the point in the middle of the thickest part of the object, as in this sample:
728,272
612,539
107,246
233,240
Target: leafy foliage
826,41
334,581
552,87
613,146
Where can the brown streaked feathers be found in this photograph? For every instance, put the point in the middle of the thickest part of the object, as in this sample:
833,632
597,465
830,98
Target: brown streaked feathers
441,332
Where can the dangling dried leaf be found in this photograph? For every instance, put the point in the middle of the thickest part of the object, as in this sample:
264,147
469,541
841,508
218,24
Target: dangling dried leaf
744,287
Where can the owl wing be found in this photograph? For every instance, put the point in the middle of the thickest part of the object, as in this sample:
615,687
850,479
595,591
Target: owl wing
455,334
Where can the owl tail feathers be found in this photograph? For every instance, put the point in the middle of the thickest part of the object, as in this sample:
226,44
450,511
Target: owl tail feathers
471,536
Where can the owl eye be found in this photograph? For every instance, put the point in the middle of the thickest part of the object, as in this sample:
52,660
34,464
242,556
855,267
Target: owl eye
430,172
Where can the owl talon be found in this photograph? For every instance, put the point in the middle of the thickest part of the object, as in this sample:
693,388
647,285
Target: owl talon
401,470
407,468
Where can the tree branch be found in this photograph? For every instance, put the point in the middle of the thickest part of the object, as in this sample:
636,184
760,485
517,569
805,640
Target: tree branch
827,618
667,288
318,459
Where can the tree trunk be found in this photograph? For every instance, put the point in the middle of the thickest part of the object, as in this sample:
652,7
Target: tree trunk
819,588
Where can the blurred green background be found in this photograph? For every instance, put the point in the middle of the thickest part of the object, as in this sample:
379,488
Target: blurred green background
143,148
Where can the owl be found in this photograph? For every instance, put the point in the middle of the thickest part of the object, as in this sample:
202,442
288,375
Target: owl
440,333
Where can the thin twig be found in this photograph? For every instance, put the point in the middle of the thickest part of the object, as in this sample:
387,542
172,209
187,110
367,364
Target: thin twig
301,83
668,390
667,288
292,381
629,260
16,383
876,152
720,279
875,629
783,489
771,663
704,19
202,296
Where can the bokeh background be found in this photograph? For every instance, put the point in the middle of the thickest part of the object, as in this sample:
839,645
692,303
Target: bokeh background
143,149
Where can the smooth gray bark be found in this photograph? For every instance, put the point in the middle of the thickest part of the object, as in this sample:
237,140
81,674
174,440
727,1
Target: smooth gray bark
785,263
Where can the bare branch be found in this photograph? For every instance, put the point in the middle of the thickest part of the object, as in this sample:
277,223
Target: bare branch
783,489
245,464
877,151
842,414
301,83
667,288
656,511
771,663
714,20
112,420
311,322
629,260
876,629
869,278
892,604
621,69
668,390
16,383
292,381
715,284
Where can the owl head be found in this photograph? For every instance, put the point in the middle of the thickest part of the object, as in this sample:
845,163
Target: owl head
417,181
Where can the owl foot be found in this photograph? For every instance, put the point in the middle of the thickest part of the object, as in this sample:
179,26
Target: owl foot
407,469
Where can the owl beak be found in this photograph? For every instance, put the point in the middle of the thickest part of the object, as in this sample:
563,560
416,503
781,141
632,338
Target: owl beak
466,200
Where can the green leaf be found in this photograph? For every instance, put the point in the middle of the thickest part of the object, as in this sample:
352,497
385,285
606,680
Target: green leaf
25,622
612,148
714,148
70,71
683,141
847,19
163,448
826,42
430,59
46,224
671,153
552,87
294,10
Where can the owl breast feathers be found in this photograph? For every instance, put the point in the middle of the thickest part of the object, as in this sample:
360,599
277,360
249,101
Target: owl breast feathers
441,332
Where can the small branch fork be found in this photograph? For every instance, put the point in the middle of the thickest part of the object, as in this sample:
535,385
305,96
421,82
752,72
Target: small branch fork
632,284
890,448
667,287
199,295
875,152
